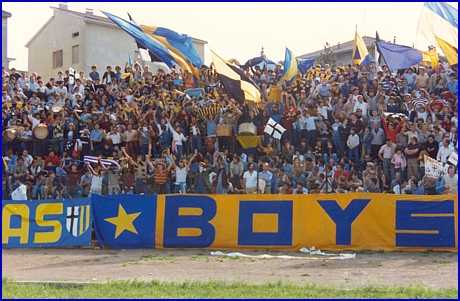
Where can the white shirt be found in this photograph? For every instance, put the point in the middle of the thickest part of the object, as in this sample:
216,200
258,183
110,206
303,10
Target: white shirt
444,152
251,179
181,175
96,182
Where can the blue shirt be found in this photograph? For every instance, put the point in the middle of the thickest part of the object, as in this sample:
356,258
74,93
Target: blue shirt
96,134
94,76
267,176
453,87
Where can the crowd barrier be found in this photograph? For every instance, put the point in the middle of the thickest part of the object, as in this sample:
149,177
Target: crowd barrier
354,221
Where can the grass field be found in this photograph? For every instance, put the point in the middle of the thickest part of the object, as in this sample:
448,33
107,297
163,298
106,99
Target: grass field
212,289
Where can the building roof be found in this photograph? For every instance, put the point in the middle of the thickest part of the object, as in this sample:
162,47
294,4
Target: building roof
6,14
107,20
339,47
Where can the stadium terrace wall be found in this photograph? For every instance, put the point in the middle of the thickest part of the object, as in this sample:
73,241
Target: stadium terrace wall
236,222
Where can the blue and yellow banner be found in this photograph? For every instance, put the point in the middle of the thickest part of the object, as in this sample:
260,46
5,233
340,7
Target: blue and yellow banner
333,222
49,223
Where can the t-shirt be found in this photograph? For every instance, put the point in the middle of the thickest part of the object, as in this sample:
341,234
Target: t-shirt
251,179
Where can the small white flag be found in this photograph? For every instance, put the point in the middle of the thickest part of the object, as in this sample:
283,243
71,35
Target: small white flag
433,168
274,129
453,158
72,76
20,193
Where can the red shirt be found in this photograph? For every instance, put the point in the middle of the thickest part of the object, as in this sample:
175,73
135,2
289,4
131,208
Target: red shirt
54,160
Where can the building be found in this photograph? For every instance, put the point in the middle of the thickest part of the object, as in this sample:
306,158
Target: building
343,51
5,16
80,40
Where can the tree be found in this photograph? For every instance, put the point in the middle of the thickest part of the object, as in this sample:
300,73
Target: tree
327,56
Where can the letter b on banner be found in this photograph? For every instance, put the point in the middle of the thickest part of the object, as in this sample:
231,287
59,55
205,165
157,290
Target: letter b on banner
175,222
254,231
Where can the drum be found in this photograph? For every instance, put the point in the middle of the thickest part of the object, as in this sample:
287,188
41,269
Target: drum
41,131
56,108
10,134
247,129
224,131
188,106
275,93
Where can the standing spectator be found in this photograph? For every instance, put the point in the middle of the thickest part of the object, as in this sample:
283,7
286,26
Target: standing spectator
353,144
386,154
452,85
344,132
378,136
412,151
373,186
444,151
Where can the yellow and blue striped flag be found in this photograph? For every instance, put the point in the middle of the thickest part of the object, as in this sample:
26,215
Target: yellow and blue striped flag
290,66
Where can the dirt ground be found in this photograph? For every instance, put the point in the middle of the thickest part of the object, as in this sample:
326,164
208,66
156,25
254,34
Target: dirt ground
430,269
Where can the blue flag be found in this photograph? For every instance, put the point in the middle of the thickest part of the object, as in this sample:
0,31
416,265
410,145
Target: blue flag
122,222
144,35
183,43
305,65
130,60
399,56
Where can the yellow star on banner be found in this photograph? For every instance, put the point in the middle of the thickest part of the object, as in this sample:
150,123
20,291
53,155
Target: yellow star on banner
123,221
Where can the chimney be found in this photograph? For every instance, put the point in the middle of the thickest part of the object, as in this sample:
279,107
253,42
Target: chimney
338,45
89,13
63,5
394,40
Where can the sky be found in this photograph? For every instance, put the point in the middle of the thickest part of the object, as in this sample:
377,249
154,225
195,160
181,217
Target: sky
239,30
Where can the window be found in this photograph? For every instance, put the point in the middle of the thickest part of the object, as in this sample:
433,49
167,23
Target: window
75,34
75,54
57,59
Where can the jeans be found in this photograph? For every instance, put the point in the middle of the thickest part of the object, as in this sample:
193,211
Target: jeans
274,186
180,152
353,152
326,158
311,138
76,191
342,148
196,144
180,186
144,149
36,189
389,169
141,186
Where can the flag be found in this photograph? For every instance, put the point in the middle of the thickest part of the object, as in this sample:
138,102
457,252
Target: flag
274,129
450,51
78,219
402,57
430,56
290,66
420,102
438,19
72,73
130,60
197,93
248,141
237,84
146,55
105,162
433,168
144,35
360,53
305,65
20,193
180,42
123,223
380,57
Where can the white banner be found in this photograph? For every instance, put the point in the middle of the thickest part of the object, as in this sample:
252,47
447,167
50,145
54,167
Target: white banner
433,168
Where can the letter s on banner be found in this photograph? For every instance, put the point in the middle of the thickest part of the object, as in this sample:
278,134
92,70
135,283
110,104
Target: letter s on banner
425,224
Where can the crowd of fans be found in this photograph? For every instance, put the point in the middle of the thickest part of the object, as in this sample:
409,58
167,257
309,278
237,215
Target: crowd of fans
347,129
